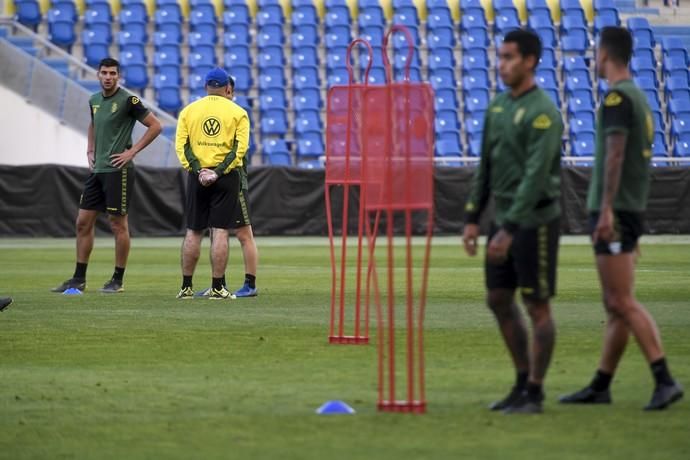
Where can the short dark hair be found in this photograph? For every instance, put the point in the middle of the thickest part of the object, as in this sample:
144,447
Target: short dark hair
618,42
528,42
231,82
109,62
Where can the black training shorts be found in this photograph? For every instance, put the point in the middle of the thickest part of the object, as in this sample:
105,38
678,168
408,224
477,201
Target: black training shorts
213,206
108,192
241,218
627,227
531,262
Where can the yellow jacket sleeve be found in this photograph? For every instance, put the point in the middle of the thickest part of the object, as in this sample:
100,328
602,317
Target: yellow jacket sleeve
182,146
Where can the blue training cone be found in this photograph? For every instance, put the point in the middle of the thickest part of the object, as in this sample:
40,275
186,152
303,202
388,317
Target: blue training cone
72,291
335,407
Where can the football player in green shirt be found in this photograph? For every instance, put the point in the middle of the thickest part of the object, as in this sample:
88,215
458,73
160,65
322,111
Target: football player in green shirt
110,152
520,169
616,200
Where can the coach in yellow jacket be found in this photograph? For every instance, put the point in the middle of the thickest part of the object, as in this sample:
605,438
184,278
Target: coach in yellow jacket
211,141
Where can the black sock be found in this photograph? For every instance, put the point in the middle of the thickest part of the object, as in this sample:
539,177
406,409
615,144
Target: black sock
535,391
218,283
223,281
662,376
601,381
80,271
119,273
250,280
186,281
521,380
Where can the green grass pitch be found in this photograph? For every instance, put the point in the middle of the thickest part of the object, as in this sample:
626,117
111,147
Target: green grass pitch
141,375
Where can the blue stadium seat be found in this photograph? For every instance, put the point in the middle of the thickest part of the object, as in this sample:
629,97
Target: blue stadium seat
272,99
306,56
62,33
555,97
132,54
573,23
439,19
579,75
271,56
547,36
238,55
674,47
583,145
406,17
604,21
134,37
675,83
476,101
270,15
572,63
447,120
271,77
576,42
169,99
377,55
371,17
571,7
337,16
199,56
377,76
441,58
306,77
445,99
237,35
335,61
400,61
242,76
443,79
372,34
679,106
167,56
506,21
167,76
338,76
546,78
581,125
304,13
474,128
134,12
276,152
400,40
274,122
196,81
475,59
308,121
471,20
548,59
168,14
304,37
28,13
94,53
477,37
98,14
681,147
135,76
63,10
167,38
659,147
238,14
310,144
538,8
307,99
204,34
339,37
680,126
449,149
440,38
472,82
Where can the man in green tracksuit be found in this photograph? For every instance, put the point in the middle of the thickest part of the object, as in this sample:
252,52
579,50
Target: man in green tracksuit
616,200
520,168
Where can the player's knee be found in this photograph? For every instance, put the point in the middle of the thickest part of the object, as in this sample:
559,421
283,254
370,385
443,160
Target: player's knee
118,225
538,311
618,304
84,226
500,303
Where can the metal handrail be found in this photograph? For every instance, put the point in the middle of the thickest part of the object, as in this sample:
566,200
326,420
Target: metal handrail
85,70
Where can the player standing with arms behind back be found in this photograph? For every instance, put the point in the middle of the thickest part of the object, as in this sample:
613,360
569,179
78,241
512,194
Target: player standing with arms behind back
110,152
616,200
520,168
211,140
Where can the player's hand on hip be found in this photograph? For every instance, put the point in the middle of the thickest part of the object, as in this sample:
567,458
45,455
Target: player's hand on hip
499,245
604,230
207,177
119,160
469,239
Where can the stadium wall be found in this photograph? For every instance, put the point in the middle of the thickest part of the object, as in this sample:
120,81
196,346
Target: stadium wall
33,136
42,201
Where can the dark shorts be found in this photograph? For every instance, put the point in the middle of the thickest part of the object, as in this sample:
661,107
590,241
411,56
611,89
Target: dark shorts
241,218
531,262
628,229
108,192
213,206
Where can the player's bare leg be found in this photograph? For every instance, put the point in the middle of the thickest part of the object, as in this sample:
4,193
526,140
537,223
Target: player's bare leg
191,250
219,252
250,255
514,333
543,341
85,228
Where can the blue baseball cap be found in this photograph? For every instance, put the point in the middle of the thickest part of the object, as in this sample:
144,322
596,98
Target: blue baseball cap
217,78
